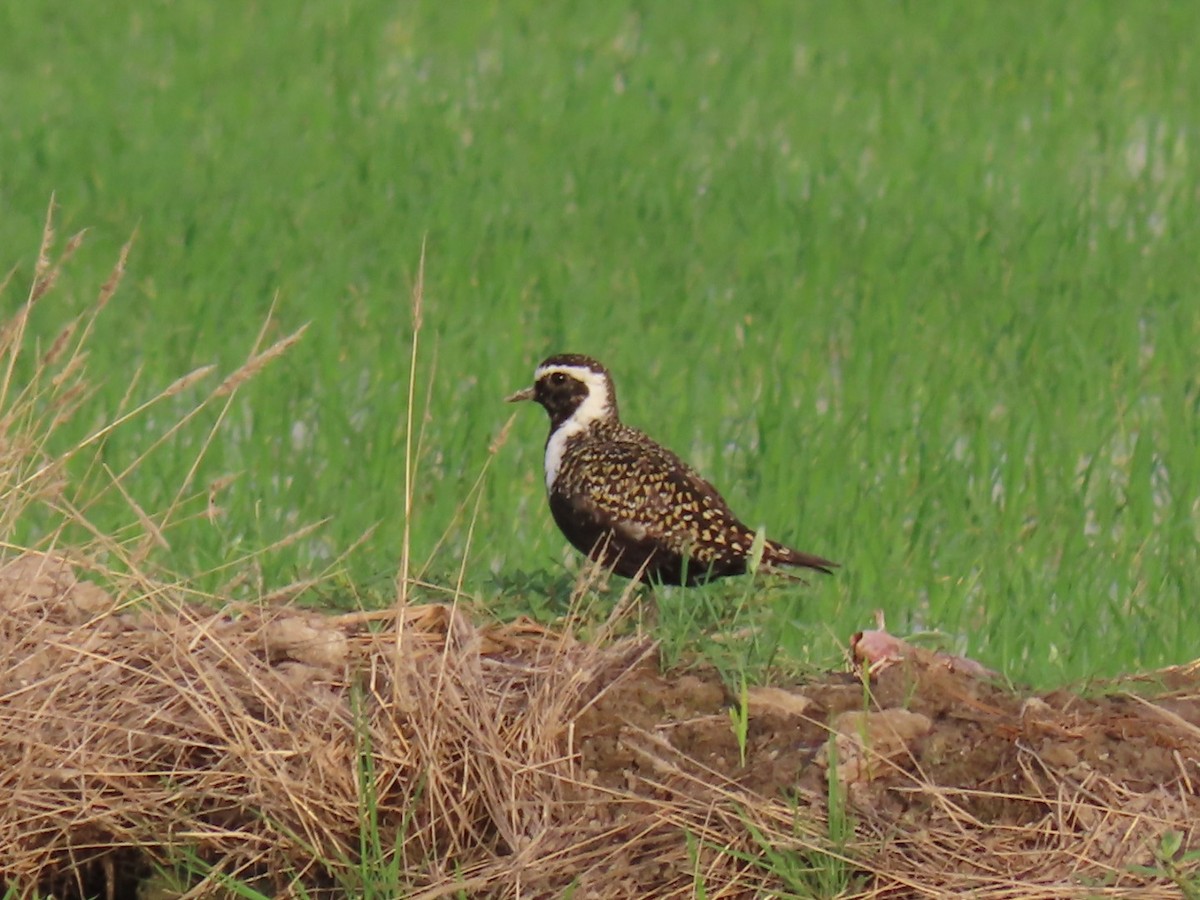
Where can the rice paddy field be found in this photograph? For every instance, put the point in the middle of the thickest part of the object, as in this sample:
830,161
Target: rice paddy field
914,284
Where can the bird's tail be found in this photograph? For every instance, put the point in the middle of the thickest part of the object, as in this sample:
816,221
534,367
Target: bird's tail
776,554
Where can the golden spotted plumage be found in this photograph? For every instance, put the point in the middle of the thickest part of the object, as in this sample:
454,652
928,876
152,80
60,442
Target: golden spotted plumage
641,487
627,501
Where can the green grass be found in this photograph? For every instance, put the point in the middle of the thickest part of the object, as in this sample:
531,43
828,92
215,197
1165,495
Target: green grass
914,283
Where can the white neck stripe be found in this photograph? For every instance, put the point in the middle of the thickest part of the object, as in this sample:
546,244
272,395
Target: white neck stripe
596,405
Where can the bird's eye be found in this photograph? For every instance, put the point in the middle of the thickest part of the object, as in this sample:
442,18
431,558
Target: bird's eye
558,378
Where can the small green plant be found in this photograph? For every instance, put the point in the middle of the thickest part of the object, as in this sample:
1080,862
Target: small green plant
839,824
756,551
187,870
699,889
812,869
379,871
739,718
1172,862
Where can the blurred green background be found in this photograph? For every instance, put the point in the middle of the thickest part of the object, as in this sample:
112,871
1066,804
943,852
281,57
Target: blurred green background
914,284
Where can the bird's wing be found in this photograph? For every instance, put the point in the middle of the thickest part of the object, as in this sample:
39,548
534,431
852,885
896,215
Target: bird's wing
661,498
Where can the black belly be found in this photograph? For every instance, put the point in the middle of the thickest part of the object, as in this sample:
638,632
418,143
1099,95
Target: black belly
630,557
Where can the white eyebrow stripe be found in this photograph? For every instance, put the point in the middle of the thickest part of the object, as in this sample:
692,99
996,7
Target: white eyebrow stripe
581,373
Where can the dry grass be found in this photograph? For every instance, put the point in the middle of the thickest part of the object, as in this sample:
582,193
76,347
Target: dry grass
501,763
240,732
415,752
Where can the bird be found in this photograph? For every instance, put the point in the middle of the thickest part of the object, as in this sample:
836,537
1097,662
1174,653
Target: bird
629,503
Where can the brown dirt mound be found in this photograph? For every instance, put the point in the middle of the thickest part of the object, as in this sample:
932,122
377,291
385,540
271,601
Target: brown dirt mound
510,761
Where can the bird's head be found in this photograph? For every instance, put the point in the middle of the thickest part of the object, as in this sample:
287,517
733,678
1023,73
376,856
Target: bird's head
572,388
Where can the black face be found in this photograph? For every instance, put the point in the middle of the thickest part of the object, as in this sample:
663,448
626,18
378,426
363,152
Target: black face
560,393
567,382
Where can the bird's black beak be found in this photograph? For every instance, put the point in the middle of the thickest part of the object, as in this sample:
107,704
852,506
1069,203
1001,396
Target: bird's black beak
526,394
